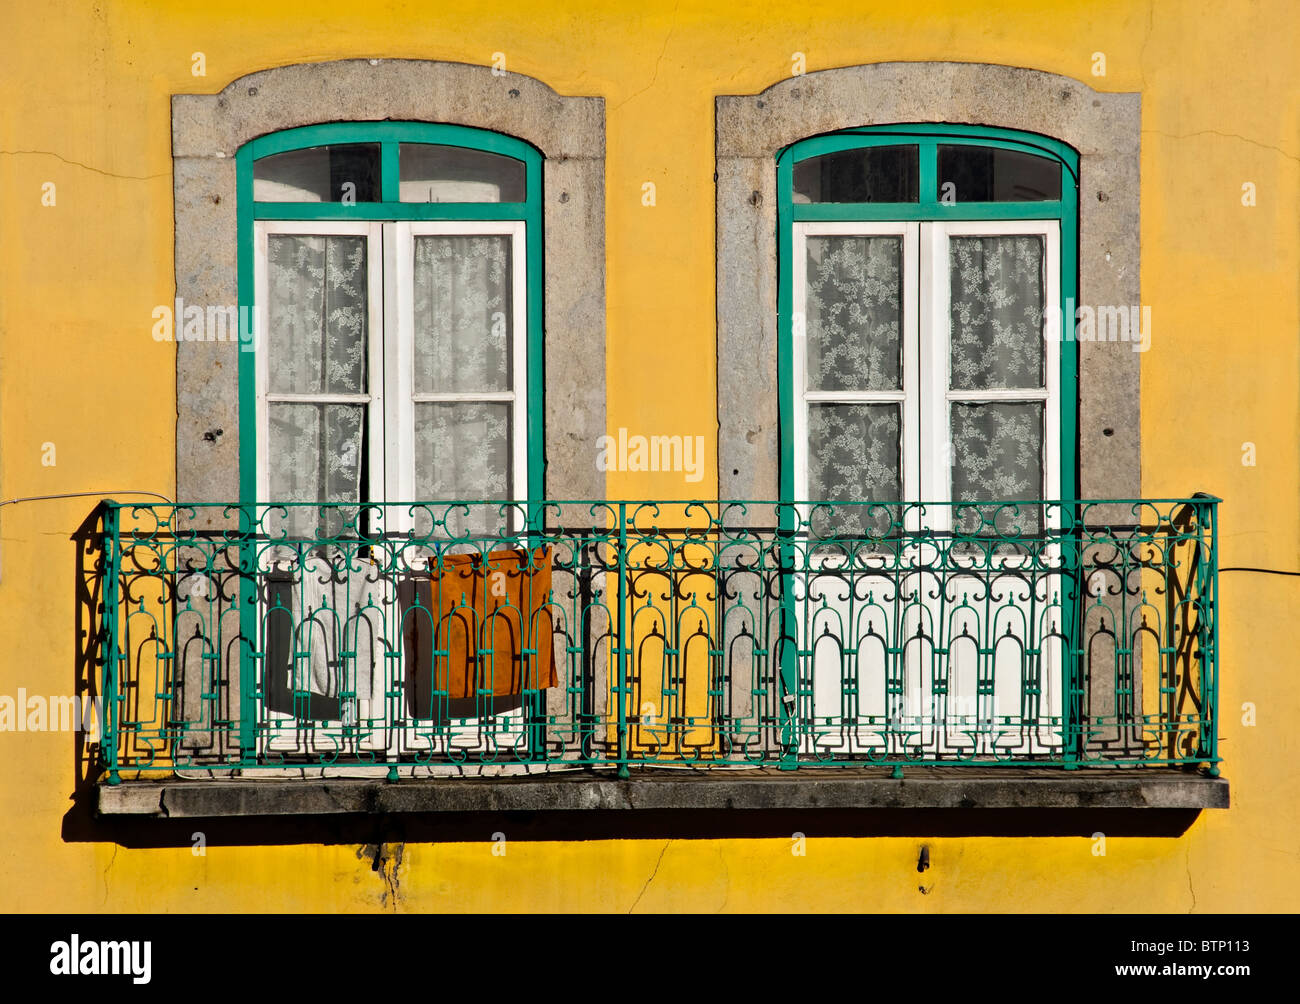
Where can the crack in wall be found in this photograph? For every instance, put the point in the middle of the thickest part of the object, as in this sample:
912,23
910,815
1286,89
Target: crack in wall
87,167
111,861
1221,135
660,861
662,52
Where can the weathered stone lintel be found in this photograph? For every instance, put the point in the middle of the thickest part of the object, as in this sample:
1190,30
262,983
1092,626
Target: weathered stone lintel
216,125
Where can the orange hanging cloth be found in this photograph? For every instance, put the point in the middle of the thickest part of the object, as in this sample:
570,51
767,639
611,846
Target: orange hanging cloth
477,633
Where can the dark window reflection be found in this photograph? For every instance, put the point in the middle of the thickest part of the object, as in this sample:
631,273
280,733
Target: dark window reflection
991,174
319,174
870,174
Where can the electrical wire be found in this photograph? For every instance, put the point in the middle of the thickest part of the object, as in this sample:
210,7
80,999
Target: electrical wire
74,495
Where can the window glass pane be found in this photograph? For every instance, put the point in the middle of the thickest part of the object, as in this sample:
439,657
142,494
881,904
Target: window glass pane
319,174
854,313
992,174
997,457
317,314
315,454
996,311
463,313
854,456
432,173
868,174
463,453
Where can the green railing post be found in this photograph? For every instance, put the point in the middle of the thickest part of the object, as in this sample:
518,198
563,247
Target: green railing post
248,629
786,674
1073,610
624,649
1207,517
109,655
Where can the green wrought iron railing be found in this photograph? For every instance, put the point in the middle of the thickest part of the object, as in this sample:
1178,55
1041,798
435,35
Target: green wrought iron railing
419,639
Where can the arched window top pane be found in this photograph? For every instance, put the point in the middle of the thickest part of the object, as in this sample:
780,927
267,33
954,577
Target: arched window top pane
429,172
995,174
337,173
867,174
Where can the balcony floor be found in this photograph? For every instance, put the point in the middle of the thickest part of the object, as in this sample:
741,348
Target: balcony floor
657,790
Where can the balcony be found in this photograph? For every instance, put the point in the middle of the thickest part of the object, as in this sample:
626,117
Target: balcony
615,654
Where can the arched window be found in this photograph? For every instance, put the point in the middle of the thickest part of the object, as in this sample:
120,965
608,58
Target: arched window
924,270
396,272
923,274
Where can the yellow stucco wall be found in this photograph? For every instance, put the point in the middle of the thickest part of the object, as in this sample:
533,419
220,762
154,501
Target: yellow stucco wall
86,106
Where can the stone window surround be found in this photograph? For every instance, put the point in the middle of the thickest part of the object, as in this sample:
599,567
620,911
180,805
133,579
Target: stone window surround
207,130
751,129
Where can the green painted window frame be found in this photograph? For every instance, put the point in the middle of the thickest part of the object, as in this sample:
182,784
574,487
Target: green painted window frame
928,137
389,136
928,207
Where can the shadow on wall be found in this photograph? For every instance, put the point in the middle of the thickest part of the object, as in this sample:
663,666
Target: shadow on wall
80,825
87,605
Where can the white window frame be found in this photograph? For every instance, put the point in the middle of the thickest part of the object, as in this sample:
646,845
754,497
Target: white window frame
400,374
927,356
936,360
391,396
374,397
907,396
809,589
391,400
925,453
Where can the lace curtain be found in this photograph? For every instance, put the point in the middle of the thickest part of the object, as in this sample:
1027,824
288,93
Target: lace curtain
463,339
854,313
998,456
997,292
854,457
853,310
462,313
996,311
318,311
